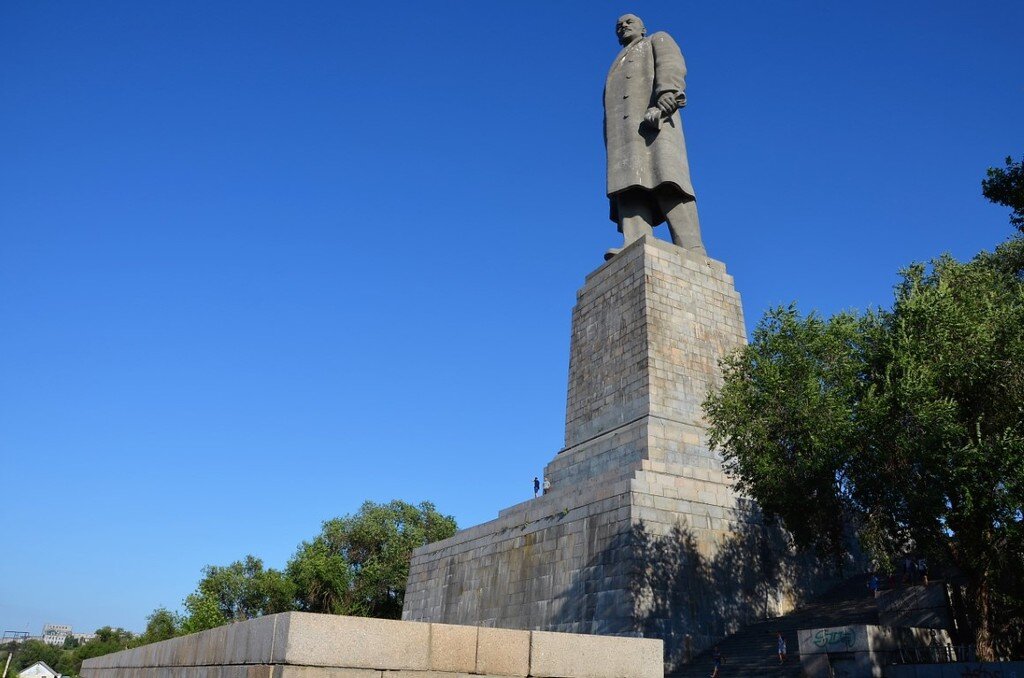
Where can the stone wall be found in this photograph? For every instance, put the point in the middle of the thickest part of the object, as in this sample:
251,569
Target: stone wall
301,645
863,650
556,564
642,533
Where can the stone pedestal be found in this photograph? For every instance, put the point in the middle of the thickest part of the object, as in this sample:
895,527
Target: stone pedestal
641,532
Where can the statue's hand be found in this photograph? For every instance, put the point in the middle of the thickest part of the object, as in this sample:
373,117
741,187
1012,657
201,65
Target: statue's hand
653,117
667,103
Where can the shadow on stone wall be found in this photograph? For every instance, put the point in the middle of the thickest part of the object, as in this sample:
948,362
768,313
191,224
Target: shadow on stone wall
666,586
689,599
692,600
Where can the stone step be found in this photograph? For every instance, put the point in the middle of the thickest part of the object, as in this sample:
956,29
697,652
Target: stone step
752,650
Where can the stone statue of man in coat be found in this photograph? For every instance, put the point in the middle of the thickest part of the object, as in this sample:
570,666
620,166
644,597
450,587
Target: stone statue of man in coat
648,175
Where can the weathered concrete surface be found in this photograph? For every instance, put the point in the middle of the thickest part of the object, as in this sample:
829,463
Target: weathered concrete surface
453,648
253,642
561,654
502,652
301,645
642,533
355,642
226,671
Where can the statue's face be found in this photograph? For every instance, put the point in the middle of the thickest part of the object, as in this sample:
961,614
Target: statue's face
629,28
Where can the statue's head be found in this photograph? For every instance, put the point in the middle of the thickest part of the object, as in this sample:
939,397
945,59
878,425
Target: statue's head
629,28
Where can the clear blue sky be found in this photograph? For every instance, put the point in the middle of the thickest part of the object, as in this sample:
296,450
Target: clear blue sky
260,261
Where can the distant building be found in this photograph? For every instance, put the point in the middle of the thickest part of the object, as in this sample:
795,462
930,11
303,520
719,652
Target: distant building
56,634
39,670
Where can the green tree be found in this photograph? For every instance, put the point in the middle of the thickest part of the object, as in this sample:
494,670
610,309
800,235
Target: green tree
322,577
107,640
68,659
1005,186
7,651
900,428
359,564
244,589
161,624
31,651
68,663
202,612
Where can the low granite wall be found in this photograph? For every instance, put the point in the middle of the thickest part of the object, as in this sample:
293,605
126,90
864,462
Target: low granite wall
303,645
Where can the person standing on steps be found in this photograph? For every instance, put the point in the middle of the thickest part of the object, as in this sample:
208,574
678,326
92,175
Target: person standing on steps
718,659
547,486
536,487
781,642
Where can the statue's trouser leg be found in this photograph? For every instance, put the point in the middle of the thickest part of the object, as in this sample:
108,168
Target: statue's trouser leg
634,216
681,215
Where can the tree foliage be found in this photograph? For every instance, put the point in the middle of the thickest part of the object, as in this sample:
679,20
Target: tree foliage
800,376
202,612
322,577
359,564
244,589
66,659
107,639
898,428
31,651
161,624
1005,186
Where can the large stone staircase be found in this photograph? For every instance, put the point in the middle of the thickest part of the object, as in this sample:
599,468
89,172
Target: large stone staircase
752,650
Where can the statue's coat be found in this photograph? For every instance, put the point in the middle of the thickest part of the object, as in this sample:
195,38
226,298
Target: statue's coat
638,154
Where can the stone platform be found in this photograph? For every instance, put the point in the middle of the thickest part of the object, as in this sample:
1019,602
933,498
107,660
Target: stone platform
641,533
302,645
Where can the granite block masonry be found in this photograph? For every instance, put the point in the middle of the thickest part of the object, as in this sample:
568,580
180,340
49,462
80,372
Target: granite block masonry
641,533
303,645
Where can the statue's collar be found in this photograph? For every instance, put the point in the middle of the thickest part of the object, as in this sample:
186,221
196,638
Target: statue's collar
632,45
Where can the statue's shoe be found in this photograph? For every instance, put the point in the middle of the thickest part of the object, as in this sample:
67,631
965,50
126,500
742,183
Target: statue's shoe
611,253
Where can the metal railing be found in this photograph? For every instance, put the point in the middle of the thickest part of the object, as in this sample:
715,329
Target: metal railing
930,654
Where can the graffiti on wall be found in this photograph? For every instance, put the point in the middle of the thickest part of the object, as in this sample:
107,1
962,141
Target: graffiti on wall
827,638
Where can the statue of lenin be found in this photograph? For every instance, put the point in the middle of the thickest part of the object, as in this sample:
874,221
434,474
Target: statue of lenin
648,175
